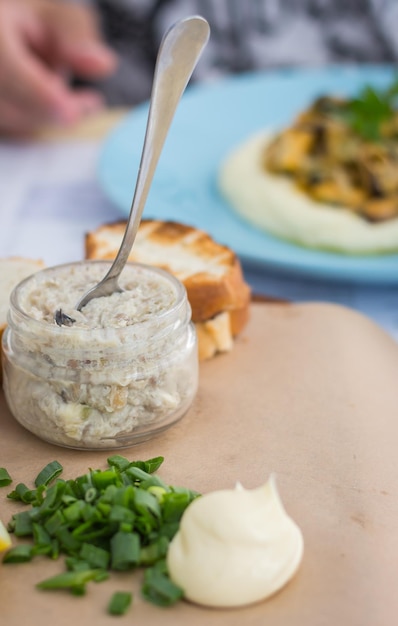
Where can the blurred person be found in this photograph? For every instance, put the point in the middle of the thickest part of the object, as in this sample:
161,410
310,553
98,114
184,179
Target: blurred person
42,44
55,64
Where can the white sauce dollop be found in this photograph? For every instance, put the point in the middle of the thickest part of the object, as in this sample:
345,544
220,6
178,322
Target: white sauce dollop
235,547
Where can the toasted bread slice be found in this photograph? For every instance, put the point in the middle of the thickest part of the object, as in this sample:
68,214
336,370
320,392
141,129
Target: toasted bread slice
211,273
12,271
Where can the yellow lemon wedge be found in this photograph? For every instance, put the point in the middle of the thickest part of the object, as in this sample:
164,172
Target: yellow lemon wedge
5,539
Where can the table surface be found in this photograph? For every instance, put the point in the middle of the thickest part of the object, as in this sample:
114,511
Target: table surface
298,397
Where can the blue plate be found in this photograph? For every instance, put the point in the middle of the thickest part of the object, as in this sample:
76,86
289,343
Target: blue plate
210,121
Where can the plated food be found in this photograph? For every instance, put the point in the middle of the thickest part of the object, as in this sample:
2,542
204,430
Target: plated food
328,181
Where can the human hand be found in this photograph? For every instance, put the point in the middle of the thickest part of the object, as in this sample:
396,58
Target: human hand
42,42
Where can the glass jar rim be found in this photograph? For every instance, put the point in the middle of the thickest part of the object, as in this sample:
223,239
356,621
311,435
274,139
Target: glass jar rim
124,331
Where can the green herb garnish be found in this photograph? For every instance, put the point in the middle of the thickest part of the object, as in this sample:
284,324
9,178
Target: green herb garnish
370,109
48,473
119,603
117,519
158,588
19,554
5,478
72,580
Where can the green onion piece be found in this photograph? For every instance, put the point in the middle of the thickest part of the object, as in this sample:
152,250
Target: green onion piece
137,473
69,580
158,588
125,550
95,556
5,478
175,503
40,535
101,479
18,554
90,494
146,501
68,543
149,466
78,590
75,564
102,575
55,549
157,491
22,493
118,461
153,552
55,522
124,496
120,602
52,500
48,473
120,513
42,550
23,524
74,511
19,492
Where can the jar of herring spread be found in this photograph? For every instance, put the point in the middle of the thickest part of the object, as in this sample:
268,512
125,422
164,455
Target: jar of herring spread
123,369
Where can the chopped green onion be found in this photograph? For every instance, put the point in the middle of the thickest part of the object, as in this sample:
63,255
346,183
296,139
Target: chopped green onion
90,494
40,535
55,522
74,511
146,503
154,551
101,479
18,554
48,473
5,478
71,580
120,518
158,588
95,556
23,526
67,541
120,462
22,493
120,602
125,550
150,466
119,513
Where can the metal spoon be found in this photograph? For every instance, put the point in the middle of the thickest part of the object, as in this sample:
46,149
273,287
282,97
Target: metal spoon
178,54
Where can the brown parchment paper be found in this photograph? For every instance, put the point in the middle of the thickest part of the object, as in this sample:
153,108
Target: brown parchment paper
309,392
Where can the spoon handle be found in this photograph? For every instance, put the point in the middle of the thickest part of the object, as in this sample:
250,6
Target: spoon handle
178,54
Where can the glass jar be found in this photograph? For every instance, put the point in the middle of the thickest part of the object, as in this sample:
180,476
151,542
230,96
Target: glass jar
122,371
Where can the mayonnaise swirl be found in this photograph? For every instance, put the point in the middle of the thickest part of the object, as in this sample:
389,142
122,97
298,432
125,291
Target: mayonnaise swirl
235,547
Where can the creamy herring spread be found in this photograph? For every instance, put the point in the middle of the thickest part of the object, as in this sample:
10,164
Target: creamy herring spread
146,295
124,367
235,547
